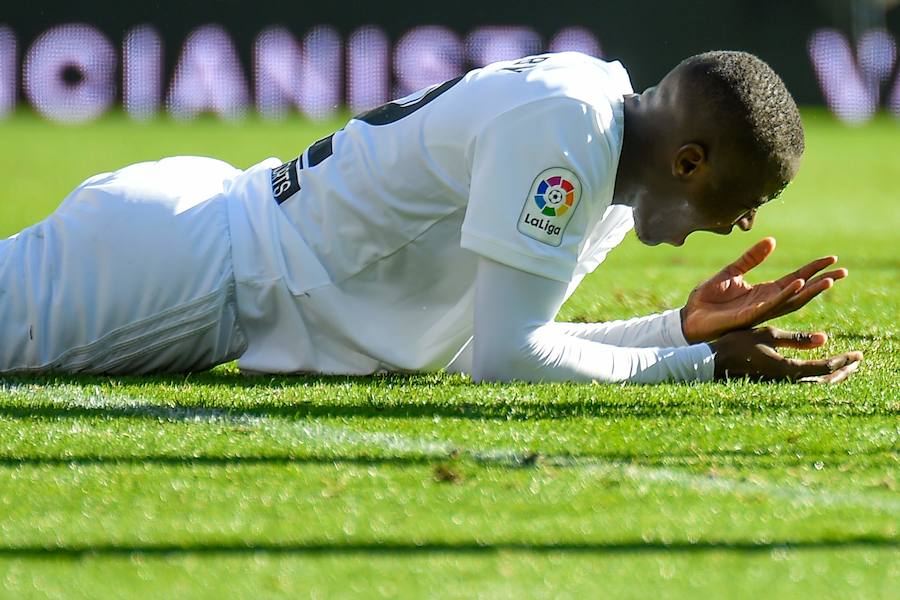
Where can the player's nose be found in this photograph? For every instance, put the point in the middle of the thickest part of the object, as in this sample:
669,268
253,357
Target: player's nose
745,223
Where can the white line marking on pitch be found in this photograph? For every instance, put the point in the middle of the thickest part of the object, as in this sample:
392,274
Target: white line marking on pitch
332,435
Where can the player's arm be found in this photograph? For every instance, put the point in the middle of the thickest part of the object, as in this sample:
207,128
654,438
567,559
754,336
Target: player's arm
515,338
657,330
725,302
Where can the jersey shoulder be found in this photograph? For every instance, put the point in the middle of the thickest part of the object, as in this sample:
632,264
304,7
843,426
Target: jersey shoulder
563,75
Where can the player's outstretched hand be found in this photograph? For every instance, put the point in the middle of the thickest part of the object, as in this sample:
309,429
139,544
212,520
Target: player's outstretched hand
727,302
753,354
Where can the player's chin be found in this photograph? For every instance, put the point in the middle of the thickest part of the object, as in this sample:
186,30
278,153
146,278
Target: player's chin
642,236
652,239
656,241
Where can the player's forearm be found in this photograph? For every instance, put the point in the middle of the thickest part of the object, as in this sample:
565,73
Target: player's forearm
661,330
546,354
516,338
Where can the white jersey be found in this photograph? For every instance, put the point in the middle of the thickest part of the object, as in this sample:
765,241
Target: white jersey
360,255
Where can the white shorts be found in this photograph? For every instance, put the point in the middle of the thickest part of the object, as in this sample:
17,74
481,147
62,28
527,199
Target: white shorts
131,274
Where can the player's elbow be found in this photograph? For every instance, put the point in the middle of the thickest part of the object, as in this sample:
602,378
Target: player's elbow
495,371
502,360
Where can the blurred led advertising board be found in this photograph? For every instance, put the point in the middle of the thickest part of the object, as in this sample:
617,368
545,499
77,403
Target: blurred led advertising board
73,62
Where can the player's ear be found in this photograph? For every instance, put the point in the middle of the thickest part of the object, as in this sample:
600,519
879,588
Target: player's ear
689,160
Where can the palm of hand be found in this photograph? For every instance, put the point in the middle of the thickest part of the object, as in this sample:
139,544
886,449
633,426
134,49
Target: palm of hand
724,303
727,302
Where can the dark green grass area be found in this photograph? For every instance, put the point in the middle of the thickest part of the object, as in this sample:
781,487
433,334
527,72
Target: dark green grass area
220,485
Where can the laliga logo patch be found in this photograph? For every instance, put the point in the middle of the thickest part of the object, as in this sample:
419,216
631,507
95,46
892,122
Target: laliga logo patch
553,198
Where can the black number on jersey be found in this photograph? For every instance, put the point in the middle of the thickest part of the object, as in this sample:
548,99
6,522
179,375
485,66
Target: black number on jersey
383,115
394,111
524,64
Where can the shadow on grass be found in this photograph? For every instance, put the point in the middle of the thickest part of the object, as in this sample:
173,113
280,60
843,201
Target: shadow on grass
525,459
398,396
438,548
516,409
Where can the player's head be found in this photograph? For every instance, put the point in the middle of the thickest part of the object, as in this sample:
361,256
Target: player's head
719,136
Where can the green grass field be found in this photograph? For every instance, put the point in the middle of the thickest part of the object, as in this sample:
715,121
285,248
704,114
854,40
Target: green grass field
218,485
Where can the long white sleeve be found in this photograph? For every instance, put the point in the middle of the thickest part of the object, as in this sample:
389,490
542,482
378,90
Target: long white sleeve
658,330
515,338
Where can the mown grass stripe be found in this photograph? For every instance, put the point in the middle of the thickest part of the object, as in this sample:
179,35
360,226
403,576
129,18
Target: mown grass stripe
330,435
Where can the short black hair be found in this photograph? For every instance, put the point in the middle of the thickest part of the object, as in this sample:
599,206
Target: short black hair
746,89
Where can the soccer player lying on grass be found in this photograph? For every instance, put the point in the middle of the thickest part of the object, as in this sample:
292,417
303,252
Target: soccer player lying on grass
443,230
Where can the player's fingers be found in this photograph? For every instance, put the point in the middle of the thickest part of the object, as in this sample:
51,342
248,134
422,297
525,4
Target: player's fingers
779,338
802,297
834,275
775,305
797,339
797,370
781,368
837,376
752,257
808,270
767,335
809,291
844,372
